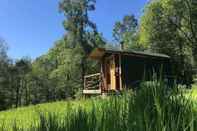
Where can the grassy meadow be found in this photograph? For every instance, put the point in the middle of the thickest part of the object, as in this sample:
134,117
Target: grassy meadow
27,117
194,92
151,108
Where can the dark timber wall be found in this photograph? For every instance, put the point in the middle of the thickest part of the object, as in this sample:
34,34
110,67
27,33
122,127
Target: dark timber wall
138,68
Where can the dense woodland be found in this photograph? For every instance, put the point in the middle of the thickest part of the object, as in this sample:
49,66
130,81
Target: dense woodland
166,26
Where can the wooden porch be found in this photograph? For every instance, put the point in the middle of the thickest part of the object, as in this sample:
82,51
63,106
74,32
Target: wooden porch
108,80
92,84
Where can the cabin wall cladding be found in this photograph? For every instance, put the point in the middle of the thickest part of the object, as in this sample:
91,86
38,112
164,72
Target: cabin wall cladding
136,69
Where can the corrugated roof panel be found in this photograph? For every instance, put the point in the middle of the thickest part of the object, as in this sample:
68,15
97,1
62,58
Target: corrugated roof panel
98,53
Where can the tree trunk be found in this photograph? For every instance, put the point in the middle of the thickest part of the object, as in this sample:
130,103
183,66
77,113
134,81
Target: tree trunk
26,93
17,93
83,69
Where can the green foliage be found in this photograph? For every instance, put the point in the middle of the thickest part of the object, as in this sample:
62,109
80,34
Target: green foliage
22,91
126,33
166,27
82,36
53,76
5,100
59,73
121,29
151,108
77,23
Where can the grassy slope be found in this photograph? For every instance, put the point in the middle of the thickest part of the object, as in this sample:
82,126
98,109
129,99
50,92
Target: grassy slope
194,91
28,116
192,94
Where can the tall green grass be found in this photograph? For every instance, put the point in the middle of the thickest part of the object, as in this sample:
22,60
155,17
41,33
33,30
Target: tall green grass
152,107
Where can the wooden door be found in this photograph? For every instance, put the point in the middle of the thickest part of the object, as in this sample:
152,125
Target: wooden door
117,73
113,73
107,75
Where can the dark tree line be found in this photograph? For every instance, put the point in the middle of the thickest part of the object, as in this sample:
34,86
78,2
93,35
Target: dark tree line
13,80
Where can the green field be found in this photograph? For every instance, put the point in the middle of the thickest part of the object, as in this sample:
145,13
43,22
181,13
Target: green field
149,109
29,116
194,91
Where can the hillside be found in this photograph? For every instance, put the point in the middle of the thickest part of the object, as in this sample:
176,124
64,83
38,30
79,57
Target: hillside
29,116
109,113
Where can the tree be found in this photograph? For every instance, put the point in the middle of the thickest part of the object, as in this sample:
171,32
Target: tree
166,28
77,23
183,15
125,32
22,68
5,90
41,86
81,32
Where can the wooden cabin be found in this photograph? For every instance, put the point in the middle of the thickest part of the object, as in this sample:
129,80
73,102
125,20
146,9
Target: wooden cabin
123,69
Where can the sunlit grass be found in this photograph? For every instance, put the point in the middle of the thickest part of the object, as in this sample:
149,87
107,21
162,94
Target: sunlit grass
29,116
154,107
194,91
191,93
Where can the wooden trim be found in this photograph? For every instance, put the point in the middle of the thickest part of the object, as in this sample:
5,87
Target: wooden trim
120,71
105,74
84,82
113,73
88,76
87,81
138,54
92,91
98,53
102,84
